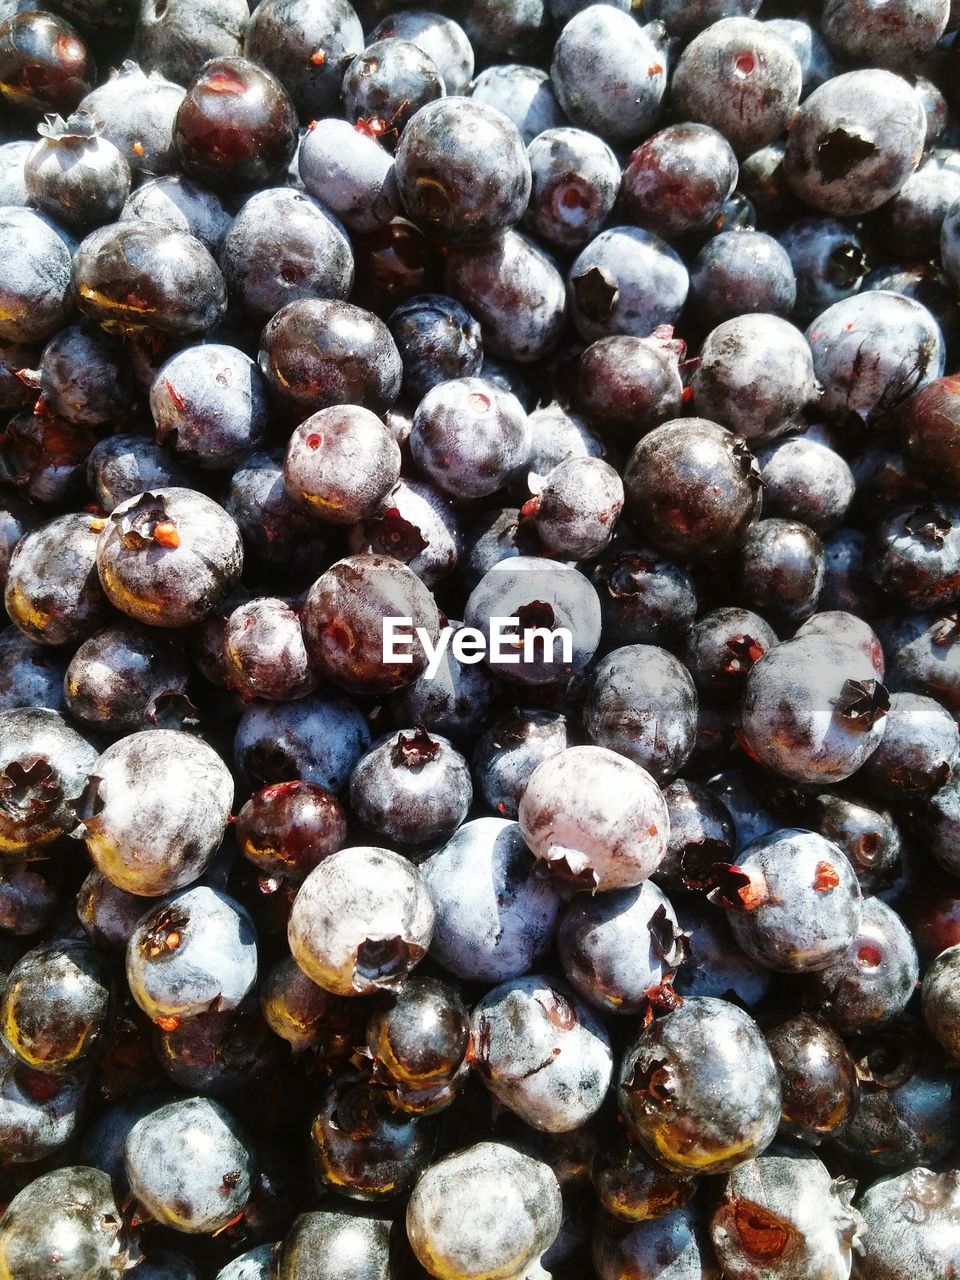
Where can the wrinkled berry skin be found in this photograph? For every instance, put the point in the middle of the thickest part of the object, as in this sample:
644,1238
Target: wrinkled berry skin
35,286
317,739
813,710
198,1183
873,351
595,818
52,590
854,142
742,79
75,1206
263,651
911,1226
626,280
628,385
495,915
671,484
438,339
469,437
462,170
44,63
208,404
785,1210
780,569
872,982
608,73
236,129
340,463
516,292
168,558
361,921
641,702
930,435
412,788
349,1245
941,999
285,34
320,352
802,905
117,678
510,750
699,1090
677,181
43,764
530,1021
132,275
818,1078
516,1213
575,181
150,838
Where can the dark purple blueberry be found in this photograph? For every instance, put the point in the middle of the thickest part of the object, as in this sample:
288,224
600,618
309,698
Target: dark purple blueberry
438,339
506,30
701,834
875,978
307,45
577,508
914,555
218,1053
348,169
411,788
714,965
209,405
740,273
828,263
36,297
644,598
677,181
628,385
633,1189
44,456
53,593
677,1242
321,352
756,376
437,35
75,1205
723,646
495,913
805,479
361,921
900,35
119,679
138,113
176,38
685,18
317,739
524,95
390,81
84,376
923,657
930,434
236,129
900,1125
456,700
816,64
854,142
44,63
120,467
30,894
867,835
134,275
516,292
510,750
414,523
38,1116
780,569
900,1241
421,1037
31,675
108,914
625,281
919,750
182,205
75,175
287,828
276,531
340,464
306,1016
474,460
576,178
694,1104
914,218
264,652
818,1078
694,488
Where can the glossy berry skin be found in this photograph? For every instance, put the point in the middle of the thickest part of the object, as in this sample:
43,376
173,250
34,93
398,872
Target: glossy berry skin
390,81
167,558
828,263
618,948
628,385
52,591
351,172
107,914
533,1020
626,280
420,1038
43,764
56,1006
868,836
575,181
134,275
806,480
837,710
200,1181
138,111
930,434
895,1243
147,838
462,170
122,466
285,36
120,678
699,1090
287,828
515,290
784,1211
35,287
440,37
44,63
677,181
343,622
306,1016
632,1189
723,646
350,1245
321,352
263,651
76,1203
903,1124
873,981
438,339
818,1078
510,750
671,481
644,598
918,752
495,915
317,739
854,142
340,464
781,569
641,703
209,405
940,999
194,952
517,1213
412,788
595,818
362,920
76,176
915,555
236,129
84,376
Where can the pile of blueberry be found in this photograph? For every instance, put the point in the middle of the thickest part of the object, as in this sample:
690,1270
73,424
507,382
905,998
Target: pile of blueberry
623,944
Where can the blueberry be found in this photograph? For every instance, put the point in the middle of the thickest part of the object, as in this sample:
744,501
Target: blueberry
904,36
438,339
495,916
677,181
828,263
416,524
897,1240
44,63
628,385
38,1116
176,202
701,833
632,1189
686,18
509,751
390,81
625,281
74,1206
138,113
818,1078
190,1165
155,809
317,739
177,38
930,428
456,701
914,218
123,466
306,45
351,172
108,914
84,377
873,981
867,835
30,675
258,1263
209,405
644,598
524,94
412,788
75,175
350,1245
117,680
422,1037
854,142
780,569
52,591
923,658
940,997
575,180
714,966
305,1015
35,286
816,63
918,752
340,464
264,652
577,507
516,1212
723,646
676,1245
475,464
699,1090
462,170
275,531
43,763
742,272
437,35
900,1125
361,921
807,481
